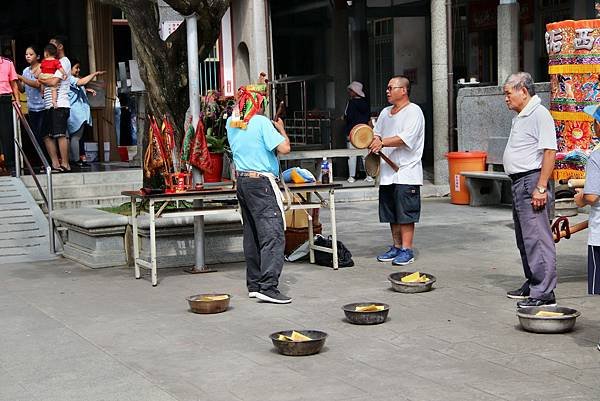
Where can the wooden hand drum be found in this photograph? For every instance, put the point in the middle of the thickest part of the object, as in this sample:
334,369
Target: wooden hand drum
361,136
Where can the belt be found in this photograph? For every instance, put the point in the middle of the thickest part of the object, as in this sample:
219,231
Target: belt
252,174
517,176
249,174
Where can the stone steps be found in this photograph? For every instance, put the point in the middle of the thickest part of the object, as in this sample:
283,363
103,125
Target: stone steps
23,227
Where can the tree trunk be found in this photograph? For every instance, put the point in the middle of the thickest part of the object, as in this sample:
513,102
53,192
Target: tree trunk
163,64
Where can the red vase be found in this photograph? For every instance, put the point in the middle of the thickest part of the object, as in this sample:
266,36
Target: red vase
216,169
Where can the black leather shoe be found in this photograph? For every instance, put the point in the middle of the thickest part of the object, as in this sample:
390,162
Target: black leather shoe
530,302
521,293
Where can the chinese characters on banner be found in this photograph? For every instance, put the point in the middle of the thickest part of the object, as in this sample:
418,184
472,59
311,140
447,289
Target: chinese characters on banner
574,67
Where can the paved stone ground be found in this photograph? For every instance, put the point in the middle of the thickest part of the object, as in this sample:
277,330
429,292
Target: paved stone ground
71,333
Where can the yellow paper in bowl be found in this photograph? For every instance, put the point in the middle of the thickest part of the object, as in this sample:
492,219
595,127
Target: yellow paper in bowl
415,277
411,278
369,308
214,297
544,313
299,337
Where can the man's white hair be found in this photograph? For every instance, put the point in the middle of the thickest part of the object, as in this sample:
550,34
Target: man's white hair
521,80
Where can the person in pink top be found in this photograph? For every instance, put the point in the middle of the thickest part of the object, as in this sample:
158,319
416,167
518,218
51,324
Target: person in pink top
8,90
48,68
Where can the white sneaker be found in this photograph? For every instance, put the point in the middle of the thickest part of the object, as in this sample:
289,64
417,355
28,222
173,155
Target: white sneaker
351,180
369,179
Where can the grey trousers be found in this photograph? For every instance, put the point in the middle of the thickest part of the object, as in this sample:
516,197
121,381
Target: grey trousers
264,239
534,238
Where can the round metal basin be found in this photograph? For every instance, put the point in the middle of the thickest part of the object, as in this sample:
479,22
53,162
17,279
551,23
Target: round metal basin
375,317
551,324
299,348
199,303
410,288
565,207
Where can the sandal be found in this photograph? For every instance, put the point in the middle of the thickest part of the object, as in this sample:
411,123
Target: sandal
64,169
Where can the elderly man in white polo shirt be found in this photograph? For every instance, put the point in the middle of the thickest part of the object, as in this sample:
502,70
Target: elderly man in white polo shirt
529,160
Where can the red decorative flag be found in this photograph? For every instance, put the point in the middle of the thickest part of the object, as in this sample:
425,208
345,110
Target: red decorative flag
199,150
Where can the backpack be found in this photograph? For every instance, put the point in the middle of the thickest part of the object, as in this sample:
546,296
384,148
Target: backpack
326,259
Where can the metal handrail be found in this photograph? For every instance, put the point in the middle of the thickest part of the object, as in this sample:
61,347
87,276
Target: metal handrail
48,199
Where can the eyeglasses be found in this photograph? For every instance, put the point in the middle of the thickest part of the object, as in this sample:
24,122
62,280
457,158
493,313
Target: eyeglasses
390,88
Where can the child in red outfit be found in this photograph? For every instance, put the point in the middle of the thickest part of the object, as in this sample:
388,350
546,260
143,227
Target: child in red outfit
48,68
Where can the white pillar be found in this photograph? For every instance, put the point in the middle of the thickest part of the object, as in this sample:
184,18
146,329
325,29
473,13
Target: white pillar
259,59
191,25
439,82
508,39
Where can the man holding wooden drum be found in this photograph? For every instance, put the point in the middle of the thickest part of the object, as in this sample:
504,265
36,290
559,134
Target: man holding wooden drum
400,135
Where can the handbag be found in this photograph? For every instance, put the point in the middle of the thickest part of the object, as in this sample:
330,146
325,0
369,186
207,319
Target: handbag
326,259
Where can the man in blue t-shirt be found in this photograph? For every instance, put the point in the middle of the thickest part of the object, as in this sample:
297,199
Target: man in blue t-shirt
254,141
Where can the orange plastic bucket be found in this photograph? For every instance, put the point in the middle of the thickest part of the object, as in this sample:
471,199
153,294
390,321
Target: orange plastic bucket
458,162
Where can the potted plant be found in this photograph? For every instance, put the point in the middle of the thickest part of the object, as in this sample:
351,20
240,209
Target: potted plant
215,111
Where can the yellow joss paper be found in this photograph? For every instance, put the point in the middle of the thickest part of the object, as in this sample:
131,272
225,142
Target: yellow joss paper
299,337
415,277
411,278
214,297
369,308
544,313
296,337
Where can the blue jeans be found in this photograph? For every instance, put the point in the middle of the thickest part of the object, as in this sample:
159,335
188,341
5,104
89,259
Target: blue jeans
118,124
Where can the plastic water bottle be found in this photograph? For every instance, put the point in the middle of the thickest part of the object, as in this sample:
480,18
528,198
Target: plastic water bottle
324,171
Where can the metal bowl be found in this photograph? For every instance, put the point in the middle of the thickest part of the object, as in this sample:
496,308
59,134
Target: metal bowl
565,207
375,317
410,288
299,348
200,305
552,324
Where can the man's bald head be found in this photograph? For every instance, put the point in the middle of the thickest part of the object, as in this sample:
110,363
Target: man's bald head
401,80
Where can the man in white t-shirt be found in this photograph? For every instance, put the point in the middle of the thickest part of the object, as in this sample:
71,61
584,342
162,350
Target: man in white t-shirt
529,161
400,135
55,119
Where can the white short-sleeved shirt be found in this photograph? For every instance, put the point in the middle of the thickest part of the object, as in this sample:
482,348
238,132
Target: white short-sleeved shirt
592,187
63,87
409,125
532,131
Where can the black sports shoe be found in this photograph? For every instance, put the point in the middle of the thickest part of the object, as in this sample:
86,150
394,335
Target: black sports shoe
274,296
521,293
530,302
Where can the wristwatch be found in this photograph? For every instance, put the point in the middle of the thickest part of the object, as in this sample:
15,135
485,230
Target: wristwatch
541,189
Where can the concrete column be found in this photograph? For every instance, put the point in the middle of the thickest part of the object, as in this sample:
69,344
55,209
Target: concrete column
259,60
250,40
508,39
439,83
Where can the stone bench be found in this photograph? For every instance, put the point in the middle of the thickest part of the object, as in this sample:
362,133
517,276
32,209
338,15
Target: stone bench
486,187
94,238
175,246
